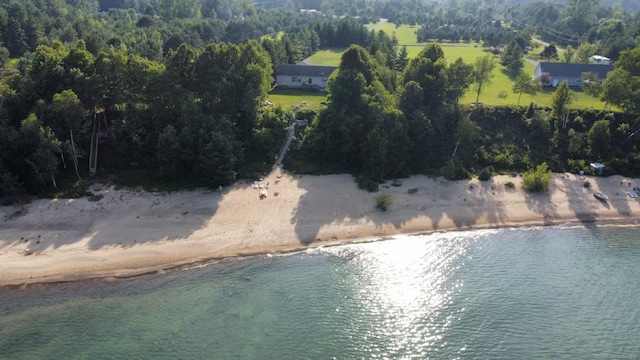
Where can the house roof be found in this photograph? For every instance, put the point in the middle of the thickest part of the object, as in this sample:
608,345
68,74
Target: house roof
305,70
575,70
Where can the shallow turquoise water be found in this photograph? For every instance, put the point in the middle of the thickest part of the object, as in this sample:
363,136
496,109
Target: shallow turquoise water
543,293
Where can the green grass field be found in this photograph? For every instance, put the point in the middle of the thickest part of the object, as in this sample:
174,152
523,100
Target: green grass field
292,97
328,57
406,34
469,52
502,82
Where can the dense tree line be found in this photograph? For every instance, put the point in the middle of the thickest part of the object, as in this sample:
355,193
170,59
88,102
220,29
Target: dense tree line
144,27
198,115
179,91
612,28
380,130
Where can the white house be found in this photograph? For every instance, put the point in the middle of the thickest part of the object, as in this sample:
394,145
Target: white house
601,60
555,73
311,12
303,76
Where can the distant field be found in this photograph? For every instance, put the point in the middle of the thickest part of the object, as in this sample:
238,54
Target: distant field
293,97
276,36
406,34
469,52
328,57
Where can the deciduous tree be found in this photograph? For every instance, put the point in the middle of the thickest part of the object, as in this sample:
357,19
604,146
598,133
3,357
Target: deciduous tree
622,86
67,107
584,52
482,73
550,51
523,81
598,139
562,98
591,85
569,54
459,78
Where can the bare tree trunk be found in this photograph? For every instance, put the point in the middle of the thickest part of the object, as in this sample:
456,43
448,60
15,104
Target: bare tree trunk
53,180
64,163
74,155
455,149
565,120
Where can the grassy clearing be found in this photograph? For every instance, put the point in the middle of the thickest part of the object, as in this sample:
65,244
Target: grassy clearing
276,36
406,34
293,97
501,82
328,57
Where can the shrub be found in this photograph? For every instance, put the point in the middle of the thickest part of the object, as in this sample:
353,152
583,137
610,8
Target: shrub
75,191
510,184
383,201
453,171
587,184
538,179
485,174
366,183
306,114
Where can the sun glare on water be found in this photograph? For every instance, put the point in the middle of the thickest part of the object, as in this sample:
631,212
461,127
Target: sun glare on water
405,286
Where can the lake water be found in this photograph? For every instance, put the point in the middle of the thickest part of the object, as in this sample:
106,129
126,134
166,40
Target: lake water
540,293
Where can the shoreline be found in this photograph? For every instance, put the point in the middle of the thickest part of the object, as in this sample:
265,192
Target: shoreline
133,233
136,273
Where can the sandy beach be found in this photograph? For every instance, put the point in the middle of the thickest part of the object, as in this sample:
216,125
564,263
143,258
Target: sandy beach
130,232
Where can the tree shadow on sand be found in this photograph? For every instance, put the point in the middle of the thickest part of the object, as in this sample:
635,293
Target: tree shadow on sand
540,203
585,206
435,202
50,224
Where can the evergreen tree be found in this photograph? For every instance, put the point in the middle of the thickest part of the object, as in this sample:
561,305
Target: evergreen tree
403,58
512,58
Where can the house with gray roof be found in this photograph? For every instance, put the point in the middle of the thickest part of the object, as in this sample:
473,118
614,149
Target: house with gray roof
303,76
555,73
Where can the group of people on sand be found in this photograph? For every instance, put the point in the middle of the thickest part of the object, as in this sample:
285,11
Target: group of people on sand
262,187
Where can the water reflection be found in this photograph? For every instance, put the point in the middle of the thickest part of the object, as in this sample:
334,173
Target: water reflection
402,288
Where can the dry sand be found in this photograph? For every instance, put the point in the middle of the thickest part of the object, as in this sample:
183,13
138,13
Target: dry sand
133,232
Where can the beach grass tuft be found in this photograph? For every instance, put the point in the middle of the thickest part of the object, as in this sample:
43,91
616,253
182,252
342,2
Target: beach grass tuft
383,201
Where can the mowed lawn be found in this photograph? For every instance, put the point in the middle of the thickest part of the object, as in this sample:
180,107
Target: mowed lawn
290,98
327,57
406,34
500,81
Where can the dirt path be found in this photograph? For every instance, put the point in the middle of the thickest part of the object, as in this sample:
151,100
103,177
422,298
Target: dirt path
306,61
378,24
544,43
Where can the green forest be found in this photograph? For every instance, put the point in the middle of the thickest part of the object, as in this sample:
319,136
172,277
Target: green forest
173,91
